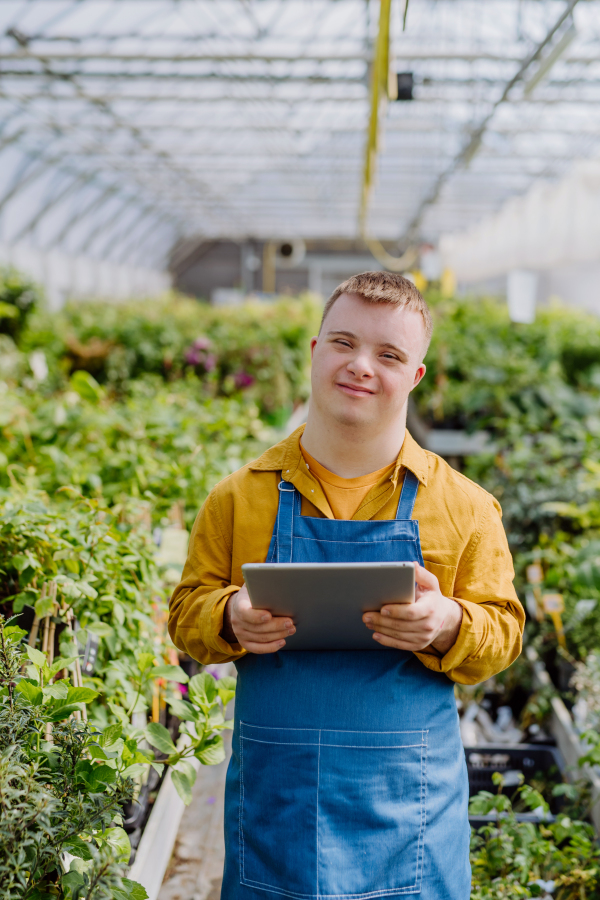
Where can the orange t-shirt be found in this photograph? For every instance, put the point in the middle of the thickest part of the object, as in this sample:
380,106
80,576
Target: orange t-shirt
344,495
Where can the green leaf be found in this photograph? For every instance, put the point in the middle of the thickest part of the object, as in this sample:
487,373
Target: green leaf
77,847
158,767
72,879
24,598
86,386
182,785
81,695
118,839
102,629
184,710
44,606
134,770
226,689
135,889
96,752
57,714
111,734
171,673
31,692
119,712
59,690
144,660
14,634
159,737
20,562
36,656
213,752
203,689
61,662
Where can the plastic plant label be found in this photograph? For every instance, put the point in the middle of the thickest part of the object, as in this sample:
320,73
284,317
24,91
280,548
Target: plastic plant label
553,603
534,574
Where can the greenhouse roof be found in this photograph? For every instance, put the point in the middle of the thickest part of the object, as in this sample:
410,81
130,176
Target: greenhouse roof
130,124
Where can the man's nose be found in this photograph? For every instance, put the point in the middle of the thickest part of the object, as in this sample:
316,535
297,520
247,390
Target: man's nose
361,366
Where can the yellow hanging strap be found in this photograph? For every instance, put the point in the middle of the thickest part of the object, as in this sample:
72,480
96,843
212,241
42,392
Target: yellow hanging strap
554,605
380,92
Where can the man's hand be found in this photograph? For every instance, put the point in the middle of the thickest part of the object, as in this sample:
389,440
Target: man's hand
432,620
255,629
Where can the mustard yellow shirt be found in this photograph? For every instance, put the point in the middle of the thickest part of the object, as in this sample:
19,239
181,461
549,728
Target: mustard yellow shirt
344,495
462,540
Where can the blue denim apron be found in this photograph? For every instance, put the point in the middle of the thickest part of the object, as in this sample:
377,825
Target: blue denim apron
348,778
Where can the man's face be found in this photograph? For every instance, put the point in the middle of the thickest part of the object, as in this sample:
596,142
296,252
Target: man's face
366,361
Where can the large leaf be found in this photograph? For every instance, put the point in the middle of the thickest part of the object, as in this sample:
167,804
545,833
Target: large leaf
118,839
77,847
183,785
31,692
58,691
86,386
101,629
213,752
226,689
159,737
81,695
184,710
135,891
57,714
36,656
111,734
203,689
170,673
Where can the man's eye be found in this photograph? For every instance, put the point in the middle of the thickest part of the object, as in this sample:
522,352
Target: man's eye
343,343
389,356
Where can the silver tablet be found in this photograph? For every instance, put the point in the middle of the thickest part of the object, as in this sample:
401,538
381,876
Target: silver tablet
326,601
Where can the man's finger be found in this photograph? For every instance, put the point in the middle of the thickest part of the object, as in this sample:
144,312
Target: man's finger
405,612
396,644
393,626
246,612
264,634
426,579
271,647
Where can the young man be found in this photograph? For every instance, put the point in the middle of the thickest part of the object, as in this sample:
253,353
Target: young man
348,778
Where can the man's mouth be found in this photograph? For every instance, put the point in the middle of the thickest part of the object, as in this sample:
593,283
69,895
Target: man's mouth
354,390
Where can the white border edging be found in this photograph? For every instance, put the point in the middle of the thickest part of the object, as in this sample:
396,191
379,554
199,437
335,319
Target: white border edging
158,839
567,739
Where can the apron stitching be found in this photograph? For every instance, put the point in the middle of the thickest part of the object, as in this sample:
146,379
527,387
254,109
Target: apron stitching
318,787
242,798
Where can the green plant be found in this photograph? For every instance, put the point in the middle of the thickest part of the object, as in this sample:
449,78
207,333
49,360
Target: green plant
18,298
512,858
258,350
57,794
162,444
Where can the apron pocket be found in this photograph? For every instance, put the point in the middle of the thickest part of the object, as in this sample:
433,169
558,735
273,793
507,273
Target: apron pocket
332,814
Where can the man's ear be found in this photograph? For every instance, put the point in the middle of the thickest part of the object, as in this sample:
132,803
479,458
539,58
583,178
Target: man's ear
419,375
313,344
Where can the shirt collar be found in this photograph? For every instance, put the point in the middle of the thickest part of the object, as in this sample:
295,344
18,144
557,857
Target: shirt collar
286,457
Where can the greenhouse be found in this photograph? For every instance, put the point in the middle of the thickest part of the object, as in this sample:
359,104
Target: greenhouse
299,449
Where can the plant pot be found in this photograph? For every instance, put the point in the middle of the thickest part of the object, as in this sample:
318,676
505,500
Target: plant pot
567,738
158,839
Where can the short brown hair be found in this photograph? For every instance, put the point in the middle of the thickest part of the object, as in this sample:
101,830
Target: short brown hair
385,287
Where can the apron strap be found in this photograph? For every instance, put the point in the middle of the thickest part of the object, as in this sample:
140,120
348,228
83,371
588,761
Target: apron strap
285,521
408,495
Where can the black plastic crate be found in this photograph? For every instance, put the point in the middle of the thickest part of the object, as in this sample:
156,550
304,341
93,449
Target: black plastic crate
533,760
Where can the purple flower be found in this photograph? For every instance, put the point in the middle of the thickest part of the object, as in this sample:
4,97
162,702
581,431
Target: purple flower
243,379
210,361
201,343
193,357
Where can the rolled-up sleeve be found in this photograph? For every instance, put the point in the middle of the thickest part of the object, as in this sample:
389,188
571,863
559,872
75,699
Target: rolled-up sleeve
198,602
491,633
